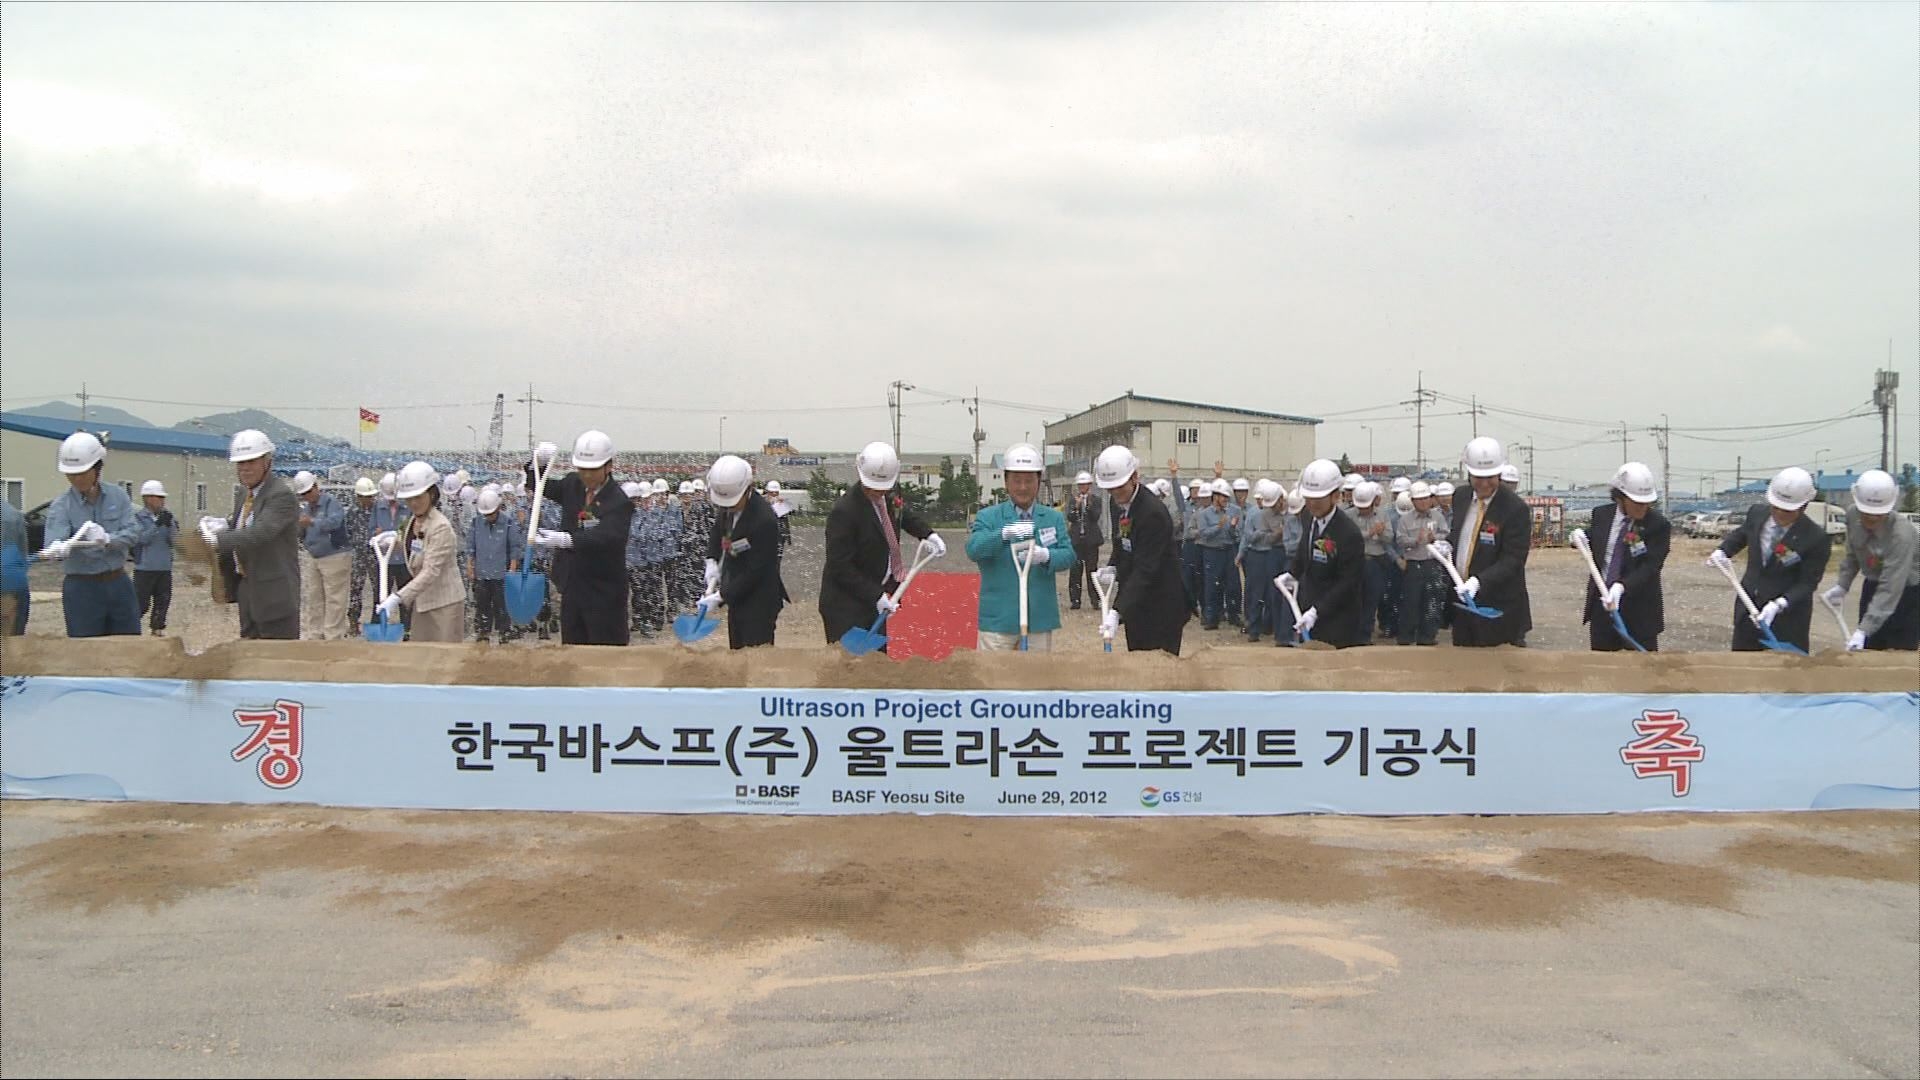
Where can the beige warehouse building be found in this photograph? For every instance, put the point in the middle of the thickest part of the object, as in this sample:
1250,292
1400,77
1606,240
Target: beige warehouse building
1250,443
194,468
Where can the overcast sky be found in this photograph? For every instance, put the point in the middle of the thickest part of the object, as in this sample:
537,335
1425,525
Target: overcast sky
1595,213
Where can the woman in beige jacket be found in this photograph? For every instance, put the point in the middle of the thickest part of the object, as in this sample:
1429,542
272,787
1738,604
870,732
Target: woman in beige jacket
436,593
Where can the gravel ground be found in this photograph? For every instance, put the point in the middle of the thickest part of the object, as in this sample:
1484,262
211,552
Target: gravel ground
1699,604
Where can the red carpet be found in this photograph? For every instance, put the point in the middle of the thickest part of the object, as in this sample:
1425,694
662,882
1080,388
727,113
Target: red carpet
941,613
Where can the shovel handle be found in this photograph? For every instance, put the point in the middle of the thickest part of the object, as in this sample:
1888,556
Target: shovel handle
1593,570
1837,616
539,493
1021,566
385,552
1741,591
922,555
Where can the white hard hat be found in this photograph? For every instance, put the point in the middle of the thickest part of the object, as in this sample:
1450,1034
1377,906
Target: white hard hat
1296,502
685,488
1023,457
489,502
544,453
1509,473
1196,484
728,480
1635,481
416,478
469,495
1400,484
387,483
365,486
80,452
1875,492
1083,477
1223,487
1791,488
773,487
633,489
1403,503
248,445
1114,467
878,466
1443,489
1268,492
592,450
303,482
1319,479
462,477
1419,490
659,486
153,487
1483,456
699,485
1241,484
1351,481
1161,487
1366,494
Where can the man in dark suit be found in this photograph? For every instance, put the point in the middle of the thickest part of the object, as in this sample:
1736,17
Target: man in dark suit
1331,561
1493,532
1636,539
1787,554
1152,598
590,546
866,555
1083,527
743,555
258,548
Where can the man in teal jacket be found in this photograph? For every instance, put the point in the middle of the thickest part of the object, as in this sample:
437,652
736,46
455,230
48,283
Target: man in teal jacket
1006,530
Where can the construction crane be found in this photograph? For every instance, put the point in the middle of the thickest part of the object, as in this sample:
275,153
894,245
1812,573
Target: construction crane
497,431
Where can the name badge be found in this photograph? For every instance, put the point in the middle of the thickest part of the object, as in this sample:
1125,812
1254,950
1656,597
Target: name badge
740,547
1126,544
1047,536
1791,558
417,546
1319,556
1638,549
1488,538
590,523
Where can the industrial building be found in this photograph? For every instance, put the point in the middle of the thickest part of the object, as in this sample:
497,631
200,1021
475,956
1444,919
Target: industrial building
1248,442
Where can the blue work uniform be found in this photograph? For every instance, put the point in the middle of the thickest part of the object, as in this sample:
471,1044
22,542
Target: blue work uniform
97,595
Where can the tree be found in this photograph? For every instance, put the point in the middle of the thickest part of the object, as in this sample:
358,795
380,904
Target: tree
959,492
916,499
821,491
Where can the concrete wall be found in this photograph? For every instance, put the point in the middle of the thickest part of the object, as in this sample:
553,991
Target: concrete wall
29,461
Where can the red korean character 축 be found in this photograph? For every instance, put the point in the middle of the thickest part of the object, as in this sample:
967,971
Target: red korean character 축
1664,749
279,730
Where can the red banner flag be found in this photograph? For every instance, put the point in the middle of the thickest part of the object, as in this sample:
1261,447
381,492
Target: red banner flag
368,419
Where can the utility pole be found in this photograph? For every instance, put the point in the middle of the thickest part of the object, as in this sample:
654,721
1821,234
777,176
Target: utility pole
497,430
1737,481
530,401
1666,459
1527,449
1884,383
895,391
83,404
1422,397
979,436
1474,409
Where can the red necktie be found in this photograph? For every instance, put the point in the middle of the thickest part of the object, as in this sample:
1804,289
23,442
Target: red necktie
896,567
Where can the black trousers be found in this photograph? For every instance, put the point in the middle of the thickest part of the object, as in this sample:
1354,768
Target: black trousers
490,608
749,627
1604,638
1902,630
592,615
1149,638
1086,560
154,589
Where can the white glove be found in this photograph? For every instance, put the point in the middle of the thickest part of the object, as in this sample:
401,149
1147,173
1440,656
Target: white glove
554,538
708,604
1612,600
1109,624
885,605
1857,642
55,551
89,534
1468,589
1019,530
1307,619
1771,610
1835,595
1105,577
1578,538
1286,583
1041,556
211,528
936,545
544,453
390,607
713,575
382,539
1719,560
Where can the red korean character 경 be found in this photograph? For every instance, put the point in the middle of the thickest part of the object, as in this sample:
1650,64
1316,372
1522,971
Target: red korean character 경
279,730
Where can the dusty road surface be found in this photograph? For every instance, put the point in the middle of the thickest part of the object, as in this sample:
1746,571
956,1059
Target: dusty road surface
1699,604
228,941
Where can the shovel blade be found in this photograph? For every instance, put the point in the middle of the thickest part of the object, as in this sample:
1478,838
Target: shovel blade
1475,609
382,631
525,593
1770,641
691,628
862,640
1620,627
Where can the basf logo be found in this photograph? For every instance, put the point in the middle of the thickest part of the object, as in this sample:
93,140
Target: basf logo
1149,797
1154,798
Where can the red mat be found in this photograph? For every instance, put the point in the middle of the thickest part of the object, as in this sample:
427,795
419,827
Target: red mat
940,614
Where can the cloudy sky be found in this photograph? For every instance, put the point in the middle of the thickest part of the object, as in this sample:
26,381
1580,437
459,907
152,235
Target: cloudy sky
662,214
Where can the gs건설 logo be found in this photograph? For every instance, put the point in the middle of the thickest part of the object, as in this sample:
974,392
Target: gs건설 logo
1150,797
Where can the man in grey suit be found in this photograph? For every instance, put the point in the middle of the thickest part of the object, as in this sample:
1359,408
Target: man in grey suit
258,548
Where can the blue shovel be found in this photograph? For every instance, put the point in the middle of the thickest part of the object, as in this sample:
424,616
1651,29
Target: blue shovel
1765,632
695,625
526,591
862,640
380,629
1619,624
1467,606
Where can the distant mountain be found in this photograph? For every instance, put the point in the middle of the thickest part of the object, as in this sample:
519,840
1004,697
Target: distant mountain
225,424
97,415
